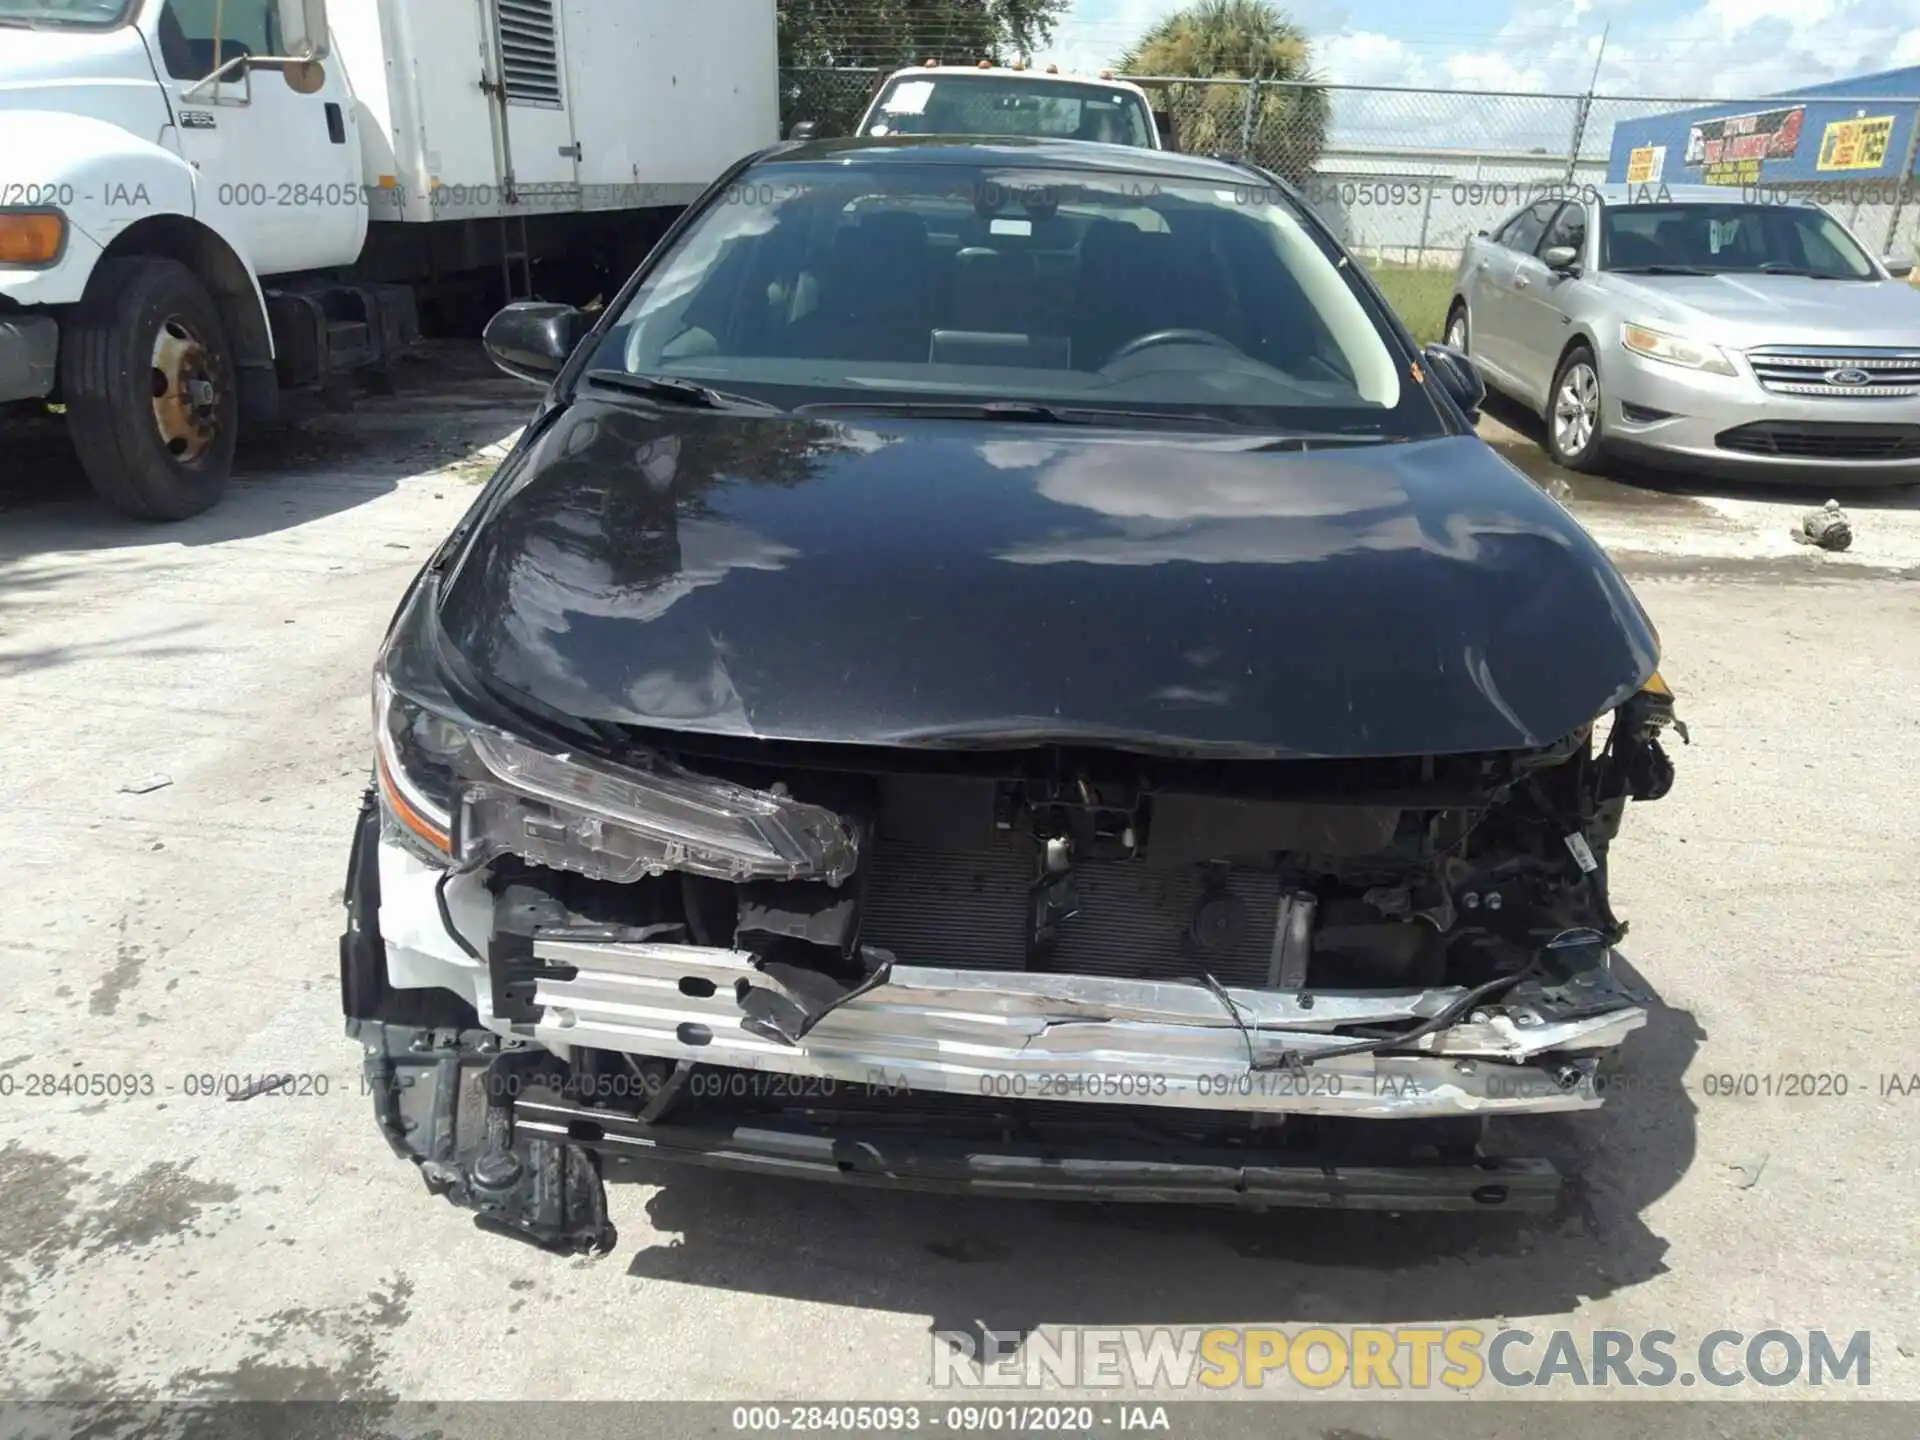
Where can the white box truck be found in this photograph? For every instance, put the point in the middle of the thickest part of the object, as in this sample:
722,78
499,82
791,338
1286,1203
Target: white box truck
206,203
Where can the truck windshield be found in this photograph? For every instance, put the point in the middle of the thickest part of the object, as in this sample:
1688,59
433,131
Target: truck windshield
1720,238
991,104
1064,290
65,14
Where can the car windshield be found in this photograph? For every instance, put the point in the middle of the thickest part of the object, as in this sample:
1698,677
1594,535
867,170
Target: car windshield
989,104
1718,238
950,283
57,14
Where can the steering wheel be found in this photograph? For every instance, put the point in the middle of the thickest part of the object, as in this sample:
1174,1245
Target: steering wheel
1170,337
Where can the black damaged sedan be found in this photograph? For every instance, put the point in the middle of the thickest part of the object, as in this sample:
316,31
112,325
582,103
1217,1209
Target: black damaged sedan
997,667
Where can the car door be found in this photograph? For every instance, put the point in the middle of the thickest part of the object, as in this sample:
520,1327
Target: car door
1538,315
1482,264
276,155
1493,324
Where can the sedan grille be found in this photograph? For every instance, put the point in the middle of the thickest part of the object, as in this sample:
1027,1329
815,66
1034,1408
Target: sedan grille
1809,441
1843,374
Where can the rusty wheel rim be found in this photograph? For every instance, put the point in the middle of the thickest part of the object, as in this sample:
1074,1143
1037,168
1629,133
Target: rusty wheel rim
186,391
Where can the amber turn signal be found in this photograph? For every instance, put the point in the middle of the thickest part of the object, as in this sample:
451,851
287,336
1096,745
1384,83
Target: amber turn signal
32,237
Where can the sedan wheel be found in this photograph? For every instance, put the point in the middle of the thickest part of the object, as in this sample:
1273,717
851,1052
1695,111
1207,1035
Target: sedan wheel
1573,418
1457,332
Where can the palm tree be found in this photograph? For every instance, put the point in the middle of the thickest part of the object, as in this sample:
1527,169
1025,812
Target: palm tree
1239,40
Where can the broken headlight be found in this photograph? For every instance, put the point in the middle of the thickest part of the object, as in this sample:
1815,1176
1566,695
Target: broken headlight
454,790
416,749
618,822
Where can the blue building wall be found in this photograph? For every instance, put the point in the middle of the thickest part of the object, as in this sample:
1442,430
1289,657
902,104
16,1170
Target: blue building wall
1793,140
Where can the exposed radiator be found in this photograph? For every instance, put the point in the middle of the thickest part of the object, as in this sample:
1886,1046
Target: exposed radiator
972,909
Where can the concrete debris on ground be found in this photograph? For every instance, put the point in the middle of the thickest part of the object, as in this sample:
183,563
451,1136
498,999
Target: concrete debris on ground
1827,527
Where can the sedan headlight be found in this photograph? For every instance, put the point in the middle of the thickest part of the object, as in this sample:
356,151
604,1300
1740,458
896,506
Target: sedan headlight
1676,350
454,790
417,751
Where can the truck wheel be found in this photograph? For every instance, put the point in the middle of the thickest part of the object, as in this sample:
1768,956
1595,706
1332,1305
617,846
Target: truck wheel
148,379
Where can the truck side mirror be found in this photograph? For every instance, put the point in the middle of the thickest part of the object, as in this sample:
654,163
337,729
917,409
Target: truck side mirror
313,15
532,339
1163,124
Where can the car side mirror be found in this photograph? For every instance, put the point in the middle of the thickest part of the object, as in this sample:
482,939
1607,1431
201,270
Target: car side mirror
532,340
1163,125
1560,257
804,130
1900,267
1457,377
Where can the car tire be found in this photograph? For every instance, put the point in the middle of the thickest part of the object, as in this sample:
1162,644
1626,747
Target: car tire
1574,409
1458,334
147,375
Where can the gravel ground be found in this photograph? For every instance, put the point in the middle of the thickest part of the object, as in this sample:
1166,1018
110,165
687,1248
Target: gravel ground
173,1245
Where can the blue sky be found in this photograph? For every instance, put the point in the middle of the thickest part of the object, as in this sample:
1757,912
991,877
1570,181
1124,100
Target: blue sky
1708,48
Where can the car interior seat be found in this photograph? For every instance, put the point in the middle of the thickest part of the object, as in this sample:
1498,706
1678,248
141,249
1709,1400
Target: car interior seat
876,291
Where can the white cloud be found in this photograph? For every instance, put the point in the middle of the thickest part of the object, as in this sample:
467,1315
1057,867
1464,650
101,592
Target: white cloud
1708,48
1095,43
1365,58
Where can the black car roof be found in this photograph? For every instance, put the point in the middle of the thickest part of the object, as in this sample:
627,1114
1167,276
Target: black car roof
998,150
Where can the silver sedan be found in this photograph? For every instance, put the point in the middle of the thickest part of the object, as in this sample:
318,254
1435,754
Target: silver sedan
1712,330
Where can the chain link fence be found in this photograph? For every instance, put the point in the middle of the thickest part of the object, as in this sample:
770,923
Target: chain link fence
1406,176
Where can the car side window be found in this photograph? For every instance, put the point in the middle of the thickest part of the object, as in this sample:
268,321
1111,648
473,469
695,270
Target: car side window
1527,227
186,30
1569,228
1500,232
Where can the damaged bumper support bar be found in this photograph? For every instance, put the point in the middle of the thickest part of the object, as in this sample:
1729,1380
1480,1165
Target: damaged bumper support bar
430,1097
1180,1044
1200,1175
1139,1054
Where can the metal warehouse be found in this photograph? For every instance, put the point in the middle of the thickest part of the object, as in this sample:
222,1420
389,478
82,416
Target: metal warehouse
1849,144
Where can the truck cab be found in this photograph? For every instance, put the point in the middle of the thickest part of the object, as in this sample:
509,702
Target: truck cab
208,204
983,99
157,157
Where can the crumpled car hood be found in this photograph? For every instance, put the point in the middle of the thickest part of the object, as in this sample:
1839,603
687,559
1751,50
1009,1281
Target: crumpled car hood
921,582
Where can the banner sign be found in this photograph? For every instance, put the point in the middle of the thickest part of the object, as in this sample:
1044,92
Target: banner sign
1645,164
1732,149
1859,144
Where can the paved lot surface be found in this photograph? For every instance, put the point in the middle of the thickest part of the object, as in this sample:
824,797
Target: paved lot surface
175,1245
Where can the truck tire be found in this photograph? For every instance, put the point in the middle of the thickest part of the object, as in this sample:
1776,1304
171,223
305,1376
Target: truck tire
148,379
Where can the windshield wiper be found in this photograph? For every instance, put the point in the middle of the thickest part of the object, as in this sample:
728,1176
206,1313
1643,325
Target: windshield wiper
1311,439
676,391
1663,270
1030,412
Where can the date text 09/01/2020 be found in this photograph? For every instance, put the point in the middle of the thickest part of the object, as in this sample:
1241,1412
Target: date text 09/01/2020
1020,1419
722,1084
